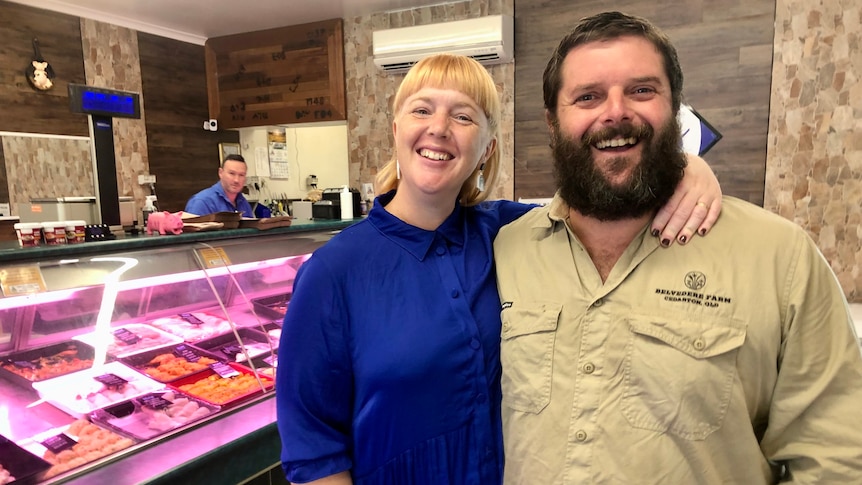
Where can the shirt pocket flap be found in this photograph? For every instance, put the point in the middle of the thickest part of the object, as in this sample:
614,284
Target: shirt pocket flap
698,339
539,317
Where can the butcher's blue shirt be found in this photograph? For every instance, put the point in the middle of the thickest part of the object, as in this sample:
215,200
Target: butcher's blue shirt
389,356
213,199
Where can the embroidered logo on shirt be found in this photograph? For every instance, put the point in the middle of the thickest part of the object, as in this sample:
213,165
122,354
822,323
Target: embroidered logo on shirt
694,281
507,304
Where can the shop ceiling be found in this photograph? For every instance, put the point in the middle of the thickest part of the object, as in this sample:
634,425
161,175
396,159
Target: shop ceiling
197,20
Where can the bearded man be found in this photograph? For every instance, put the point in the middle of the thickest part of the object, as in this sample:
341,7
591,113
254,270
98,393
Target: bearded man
729,360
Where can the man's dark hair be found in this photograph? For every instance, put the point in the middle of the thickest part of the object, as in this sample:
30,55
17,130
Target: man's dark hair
234,157
608,26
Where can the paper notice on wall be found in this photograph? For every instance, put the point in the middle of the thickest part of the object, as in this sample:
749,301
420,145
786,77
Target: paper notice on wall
277,145
261,162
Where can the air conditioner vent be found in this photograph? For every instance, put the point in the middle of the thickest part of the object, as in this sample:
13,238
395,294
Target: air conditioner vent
489,40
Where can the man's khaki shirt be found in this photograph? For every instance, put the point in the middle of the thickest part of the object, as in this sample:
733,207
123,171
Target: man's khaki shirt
729,360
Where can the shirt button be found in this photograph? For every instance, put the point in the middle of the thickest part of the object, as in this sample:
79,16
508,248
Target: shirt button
581,435
598,303
474,343
441,250
455,293
480,398
699,344
589,368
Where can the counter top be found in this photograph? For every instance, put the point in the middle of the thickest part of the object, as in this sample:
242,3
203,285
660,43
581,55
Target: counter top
10,251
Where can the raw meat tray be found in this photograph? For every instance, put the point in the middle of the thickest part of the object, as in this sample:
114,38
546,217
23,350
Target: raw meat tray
20,463
272,306
149,338
192,386
170,363
153,414
79,393
227,347
35,365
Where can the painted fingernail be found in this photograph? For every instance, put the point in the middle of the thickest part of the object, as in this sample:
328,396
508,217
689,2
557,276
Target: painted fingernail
665,242
654,233
703,231
682,239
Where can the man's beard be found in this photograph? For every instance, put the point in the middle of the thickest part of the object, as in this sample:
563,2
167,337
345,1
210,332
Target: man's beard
650,185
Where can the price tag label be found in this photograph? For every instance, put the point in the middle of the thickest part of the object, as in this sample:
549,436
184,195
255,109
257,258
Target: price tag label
224,370
214,257
22,280
61,442
187,353
232,349
191,319
271,360
154,401
126,336
111,381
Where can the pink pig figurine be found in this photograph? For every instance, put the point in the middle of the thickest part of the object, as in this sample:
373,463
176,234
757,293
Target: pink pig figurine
165,222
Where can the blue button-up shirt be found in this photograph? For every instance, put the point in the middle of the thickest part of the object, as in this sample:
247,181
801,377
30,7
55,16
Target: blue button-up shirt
389,357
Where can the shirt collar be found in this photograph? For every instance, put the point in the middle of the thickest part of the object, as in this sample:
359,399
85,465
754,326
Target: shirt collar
414,240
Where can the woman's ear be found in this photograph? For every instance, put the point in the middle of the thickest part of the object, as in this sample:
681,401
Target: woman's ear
489,150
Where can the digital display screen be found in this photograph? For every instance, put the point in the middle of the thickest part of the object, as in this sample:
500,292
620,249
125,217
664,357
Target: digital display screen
104,102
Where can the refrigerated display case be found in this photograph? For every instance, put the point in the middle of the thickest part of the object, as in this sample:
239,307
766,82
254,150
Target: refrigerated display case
126,335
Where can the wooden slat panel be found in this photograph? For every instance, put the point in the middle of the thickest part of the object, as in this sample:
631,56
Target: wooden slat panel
284,75
183,157
25,109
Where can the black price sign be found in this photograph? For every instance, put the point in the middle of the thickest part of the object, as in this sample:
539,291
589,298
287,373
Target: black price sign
126,336
224,370
111,381
232,349
61,442
187,353
191,319
154,401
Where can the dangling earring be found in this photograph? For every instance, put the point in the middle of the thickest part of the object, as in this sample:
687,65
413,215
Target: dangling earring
480,180
398,169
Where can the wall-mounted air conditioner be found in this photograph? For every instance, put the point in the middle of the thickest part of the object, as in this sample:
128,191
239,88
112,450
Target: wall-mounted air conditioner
489,40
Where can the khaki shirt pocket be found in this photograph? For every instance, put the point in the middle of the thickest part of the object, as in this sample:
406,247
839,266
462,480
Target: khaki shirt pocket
679,374
527,354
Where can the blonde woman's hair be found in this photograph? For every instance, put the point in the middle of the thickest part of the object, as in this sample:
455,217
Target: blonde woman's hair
450,71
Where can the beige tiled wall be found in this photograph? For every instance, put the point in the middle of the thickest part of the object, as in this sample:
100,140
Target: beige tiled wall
814,155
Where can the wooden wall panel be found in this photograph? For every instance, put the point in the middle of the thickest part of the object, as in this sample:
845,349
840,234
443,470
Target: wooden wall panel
25,109
183,157
725,49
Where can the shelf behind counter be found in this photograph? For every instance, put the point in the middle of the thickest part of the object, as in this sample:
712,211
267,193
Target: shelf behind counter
11,252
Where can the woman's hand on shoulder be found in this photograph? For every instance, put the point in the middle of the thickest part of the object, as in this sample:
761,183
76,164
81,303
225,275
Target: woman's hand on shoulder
694,206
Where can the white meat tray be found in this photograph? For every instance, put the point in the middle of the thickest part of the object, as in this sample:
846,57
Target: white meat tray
80,393
150,338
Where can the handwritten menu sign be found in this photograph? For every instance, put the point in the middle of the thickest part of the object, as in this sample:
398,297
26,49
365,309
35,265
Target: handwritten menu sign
285,75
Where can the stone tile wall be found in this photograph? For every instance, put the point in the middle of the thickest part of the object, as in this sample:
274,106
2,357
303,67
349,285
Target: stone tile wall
370,91
814,156
111,60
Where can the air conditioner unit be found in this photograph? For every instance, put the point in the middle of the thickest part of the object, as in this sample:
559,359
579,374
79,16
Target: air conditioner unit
489,40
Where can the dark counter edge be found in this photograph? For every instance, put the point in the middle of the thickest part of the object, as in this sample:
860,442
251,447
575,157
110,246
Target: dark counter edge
10,252
229,449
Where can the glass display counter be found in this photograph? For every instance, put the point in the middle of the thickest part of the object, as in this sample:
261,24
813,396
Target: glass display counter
146,360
